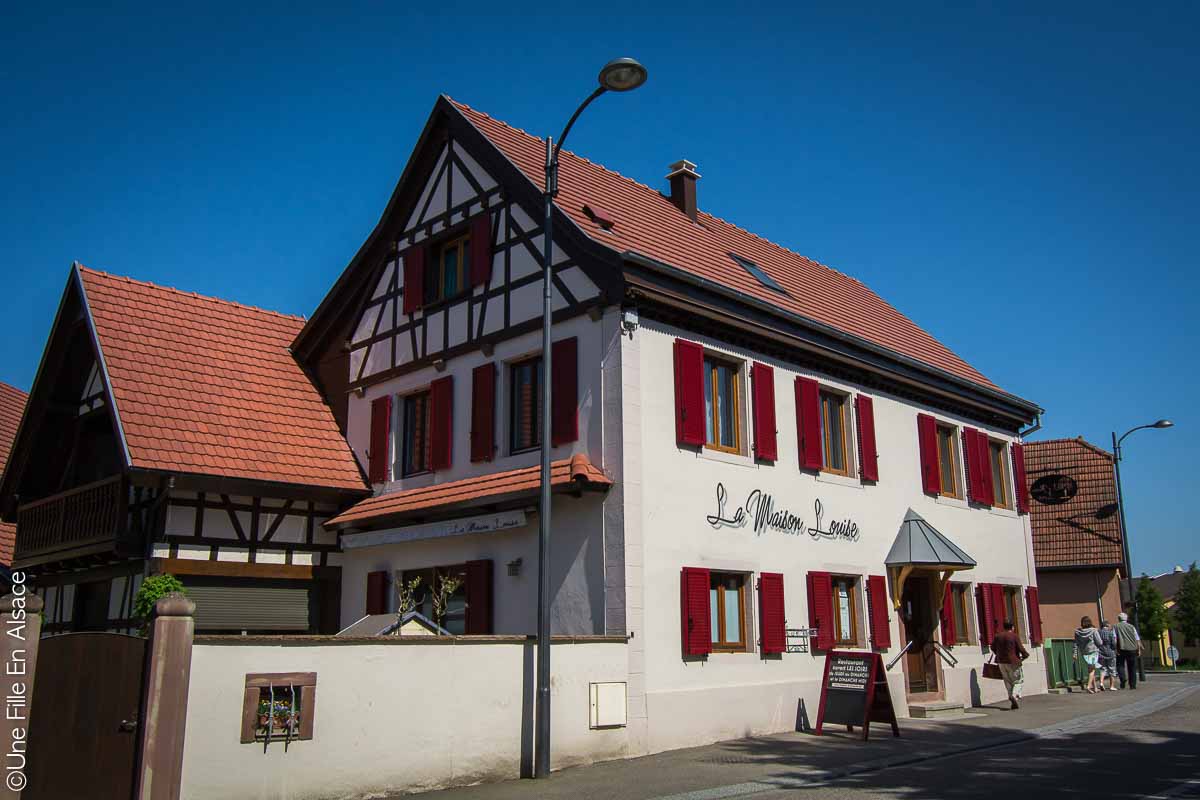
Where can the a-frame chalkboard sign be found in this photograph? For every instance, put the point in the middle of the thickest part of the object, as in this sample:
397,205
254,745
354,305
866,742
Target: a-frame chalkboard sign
854,691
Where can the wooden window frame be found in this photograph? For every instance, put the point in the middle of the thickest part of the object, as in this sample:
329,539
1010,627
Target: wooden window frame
956,493
306,682
534,361
835,604
435,278
711,363
439,571
960,601
402,432
998,464
1013,594
721,645
826,434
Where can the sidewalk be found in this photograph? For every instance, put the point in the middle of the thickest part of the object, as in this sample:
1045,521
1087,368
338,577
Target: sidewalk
745,766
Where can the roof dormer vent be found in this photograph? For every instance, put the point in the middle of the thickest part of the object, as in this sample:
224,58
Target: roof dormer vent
683,177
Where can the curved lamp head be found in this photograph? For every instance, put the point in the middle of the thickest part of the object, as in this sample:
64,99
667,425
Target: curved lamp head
1163,423
622,75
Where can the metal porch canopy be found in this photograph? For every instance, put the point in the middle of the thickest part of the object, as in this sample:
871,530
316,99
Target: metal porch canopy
919,545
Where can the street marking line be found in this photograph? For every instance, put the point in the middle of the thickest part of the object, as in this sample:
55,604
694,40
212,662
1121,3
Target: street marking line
1136,709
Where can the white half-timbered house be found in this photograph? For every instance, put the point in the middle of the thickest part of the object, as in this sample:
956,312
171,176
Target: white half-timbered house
172,433
756,458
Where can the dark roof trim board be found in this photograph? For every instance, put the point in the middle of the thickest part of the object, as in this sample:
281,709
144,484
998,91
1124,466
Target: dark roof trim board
110,397
825,340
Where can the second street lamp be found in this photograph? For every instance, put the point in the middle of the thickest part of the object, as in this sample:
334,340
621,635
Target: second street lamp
618,75
1162,423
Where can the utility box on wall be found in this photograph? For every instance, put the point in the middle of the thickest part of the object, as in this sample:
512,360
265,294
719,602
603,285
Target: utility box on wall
608,705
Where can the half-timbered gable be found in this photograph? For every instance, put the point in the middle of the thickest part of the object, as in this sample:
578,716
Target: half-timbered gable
440,289
172,433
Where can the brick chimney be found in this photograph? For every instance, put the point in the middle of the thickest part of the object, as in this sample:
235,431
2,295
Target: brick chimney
683,177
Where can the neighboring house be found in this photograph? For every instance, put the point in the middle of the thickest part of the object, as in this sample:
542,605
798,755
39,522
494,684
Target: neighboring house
746,443
1168,585
12,405
172,433
1076,533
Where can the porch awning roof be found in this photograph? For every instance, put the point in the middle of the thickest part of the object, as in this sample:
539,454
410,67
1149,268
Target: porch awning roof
919,544
497,490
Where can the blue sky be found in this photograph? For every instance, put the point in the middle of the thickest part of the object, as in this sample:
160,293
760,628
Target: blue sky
1024,182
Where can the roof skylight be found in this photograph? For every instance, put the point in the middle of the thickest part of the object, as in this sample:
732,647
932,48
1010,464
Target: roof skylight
758,272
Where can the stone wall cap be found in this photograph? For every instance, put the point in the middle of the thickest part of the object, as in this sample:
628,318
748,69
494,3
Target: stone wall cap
174,605
33,603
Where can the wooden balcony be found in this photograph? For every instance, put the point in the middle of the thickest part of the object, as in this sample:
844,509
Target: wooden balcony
92,519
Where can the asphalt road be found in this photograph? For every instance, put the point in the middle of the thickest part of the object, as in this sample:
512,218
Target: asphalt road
1151,756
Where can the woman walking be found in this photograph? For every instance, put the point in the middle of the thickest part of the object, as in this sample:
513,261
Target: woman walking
1087,647
1108,655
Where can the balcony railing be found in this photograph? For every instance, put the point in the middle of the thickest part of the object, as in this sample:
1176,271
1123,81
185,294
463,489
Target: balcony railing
88,518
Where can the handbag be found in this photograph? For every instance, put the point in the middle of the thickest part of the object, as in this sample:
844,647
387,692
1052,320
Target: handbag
991,669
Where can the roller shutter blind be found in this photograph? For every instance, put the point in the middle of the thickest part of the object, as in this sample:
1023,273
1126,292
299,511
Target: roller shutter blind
250,608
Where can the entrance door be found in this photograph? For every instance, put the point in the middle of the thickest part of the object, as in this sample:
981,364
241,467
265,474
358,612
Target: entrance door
919,617
83,734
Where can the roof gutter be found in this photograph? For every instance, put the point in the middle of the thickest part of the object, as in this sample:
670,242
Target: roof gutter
1032,409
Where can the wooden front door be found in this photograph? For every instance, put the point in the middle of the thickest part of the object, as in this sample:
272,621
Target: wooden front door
83,730
919,618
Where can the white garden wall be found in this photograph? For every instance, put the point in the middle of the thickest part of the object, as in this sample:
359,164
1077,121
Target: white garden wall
392,715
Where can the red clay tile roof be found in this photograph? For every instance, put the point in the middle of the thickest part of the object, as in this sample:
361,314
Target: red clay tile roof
12,406
576,472
647,223
209,387
1071,534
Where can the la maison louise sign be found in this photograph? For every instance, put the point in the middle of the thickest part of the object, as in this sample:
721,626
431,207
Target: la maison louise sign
761,513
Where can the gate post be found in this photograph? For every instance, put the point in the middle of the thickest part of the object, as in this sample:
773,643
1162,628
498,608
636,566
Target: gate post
21,621
166,693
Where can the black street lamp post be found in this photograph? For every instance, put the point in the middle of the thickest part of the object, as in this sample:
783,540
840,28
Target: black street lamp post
619,75
1162,423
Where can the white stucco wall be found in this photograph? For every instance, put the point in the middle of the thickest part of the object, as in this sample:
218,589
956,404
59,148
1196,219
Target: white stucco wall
392,717
576,571
736,694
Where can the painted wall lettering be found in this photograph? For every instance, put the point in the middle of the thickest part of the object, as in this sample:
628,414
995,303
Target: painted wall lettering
761,511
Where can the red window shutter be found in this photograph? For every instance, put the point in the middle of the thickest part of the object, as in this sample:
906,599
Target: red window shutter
1022,488
877,604
377,592
868,456
984,459
987,612
999,613
381,428
808,422
820,608
481,249
1034,609
693,603
689,393
970,444
765,442
949,626
564,392
931,469
441,423
483,412
771,613
479,596
414,278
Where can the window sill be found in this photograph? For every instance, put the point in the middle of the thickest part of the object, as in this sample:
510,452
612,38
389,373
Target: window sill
839,480
726,458
1002,512
953,502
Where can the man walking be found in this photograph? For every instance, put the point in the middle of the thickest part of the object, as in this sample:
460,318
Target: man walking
1009,655
1129,649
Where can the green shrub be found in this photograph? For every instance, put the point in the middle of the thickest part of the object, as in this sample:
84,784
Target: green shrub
152,589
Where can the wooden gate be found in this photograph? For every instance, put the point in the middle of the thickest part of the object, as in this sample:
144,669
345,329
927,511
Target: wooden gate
83,730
